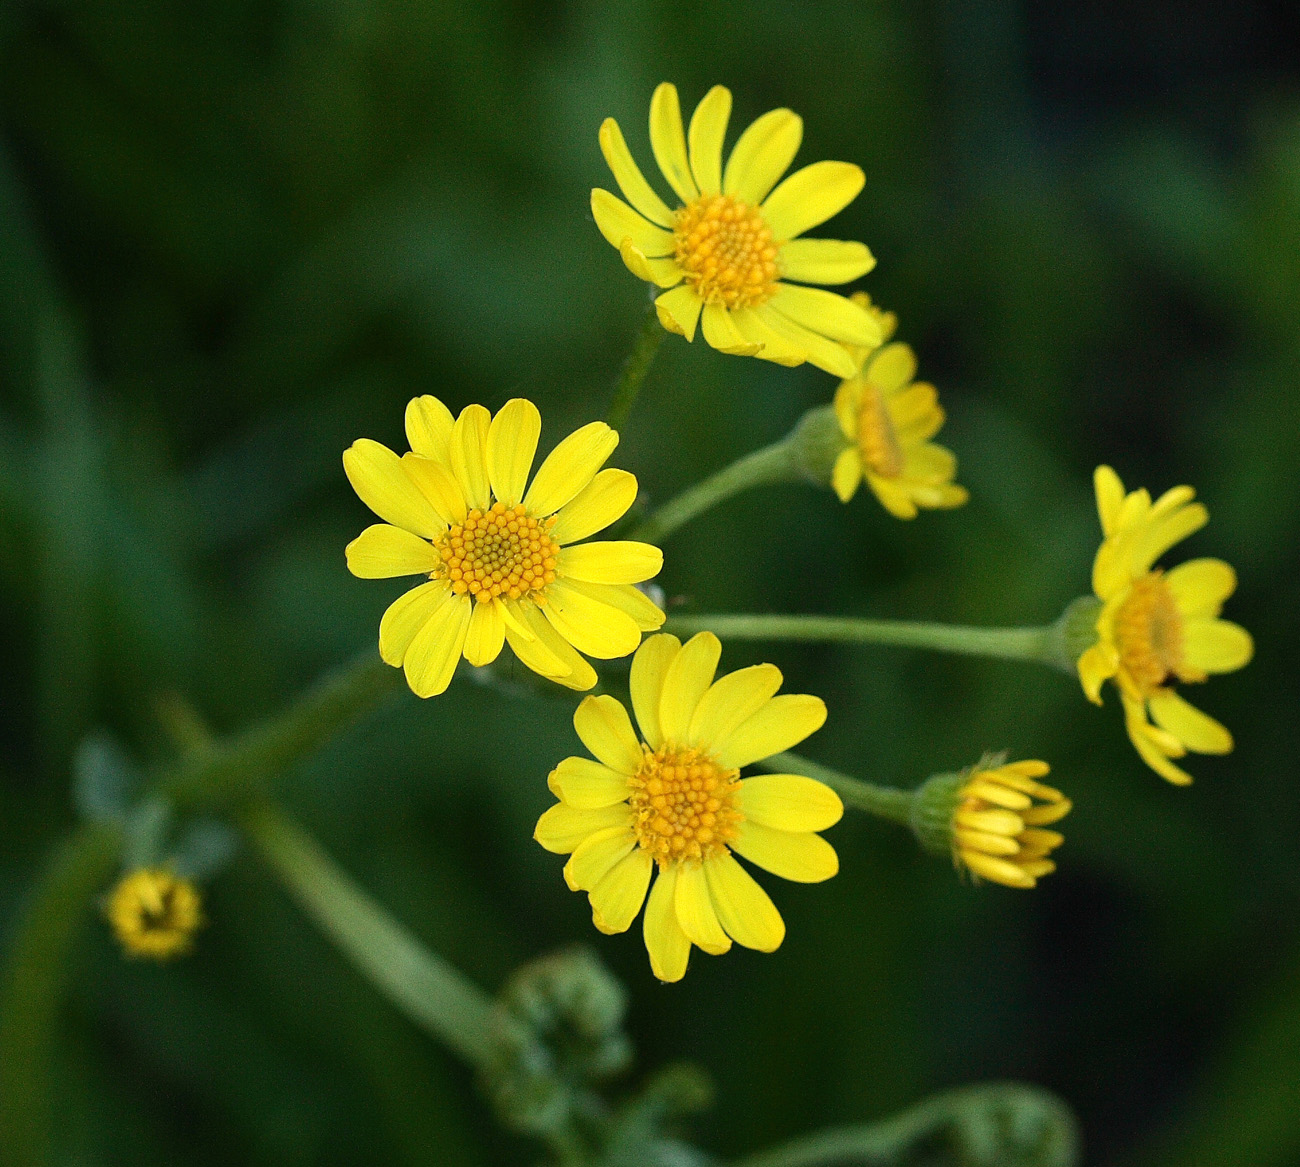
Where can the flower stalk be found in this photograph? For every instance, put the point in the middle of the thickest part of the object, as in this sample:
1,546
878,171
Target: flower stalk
635,369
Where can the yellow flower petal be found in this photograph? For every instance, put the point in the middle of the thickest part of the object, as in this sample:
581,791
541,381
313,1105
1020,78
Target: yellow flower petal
998,870
811,196
406,615
604,500
606,730
617,221
592,627
663,273
569,467
469,455
1110,497
801,857
891,367
669,947
707,130
617,898
762,154
679,311
695,912
626,598
649,671
822,352
790,802
613,562
1201,585
628,175
929,464
431,660
564,828
847,403
1140,733
1163,533
381,483
688,678
487,633
846,474
1096,666
669,143
773,346
511,444
587,785
1196,730
381,552
825,261
596,855
548,653
438,484
826,313
1215,646
782,723
744,909
730,700
428,427
721,333
893,495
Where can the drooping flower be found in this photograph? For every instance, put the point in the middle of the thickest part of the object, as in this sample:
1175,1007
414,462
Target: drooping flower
998,823
888,420
1157,628
503,558
730,252
673,799
155,913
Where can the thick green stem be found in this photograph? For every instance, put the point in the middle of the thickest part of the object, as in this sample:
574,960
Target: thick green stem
998,1123
237,768
424,986
1041,645
886,802
774,463
40,966
635,368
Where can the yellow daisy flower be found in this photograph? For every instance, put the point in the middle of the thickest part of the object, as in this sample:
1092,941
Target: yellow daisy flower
674,799
888,419
499,553
155,913
998,821
730,247
1158,627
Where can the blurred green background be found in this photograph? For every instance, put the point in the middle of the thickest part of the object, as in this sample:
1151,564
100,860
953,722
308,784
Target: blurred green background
237,234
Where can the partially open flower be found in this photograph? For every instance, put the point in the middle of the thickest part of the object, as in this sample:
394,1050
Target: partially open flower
155,913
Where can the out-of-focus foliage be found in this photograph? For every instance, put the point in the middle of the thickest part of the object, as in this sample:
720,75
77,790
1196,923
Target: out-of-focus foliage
235,235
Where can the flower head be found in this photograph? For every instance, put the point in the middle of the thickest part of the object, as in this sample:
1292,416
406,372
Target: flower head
1156,628
674,800
155,913
888,420
730,247
998,819
498,552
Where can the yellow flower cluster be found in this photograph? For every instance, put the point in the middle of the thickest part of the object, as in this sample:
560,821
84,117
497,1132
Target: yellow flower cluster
154,913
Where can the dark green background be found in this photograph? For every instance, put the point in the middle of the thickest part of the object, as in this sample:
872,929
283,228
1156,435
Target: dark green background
237,234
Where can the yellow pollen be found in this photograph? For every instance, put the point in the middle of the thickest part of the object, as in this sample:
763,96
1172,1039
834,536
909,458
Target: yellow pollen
726,250
877,438
502,552
683,804
1149,635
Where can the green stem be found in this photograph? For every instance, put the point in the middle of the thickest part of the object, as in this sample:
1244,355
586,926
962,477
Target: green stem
237,768
635,368
1041,645
424,986
774,463
886,802
40,967
995,1123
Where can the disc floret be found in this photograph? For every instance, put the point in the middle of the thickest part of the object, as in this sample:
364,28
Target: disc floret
683,804
502,551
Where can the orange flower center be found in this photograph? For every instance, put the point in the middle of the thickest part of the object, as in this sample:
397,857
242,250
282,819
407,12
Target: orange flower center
1149,634
877,438
499,552
683,803
726,250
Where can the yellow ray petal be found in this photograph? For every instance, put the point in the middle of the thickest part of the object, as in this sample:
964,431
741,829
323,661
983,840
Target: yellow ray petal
563,828
744,909
547,648
511,444
469,455
669,142
1215,646
1110,497
708,129
626,598
628,175
998,870
669,947
428,427
487,633
801,857
1201,585
1196,730
590,625
790,802
729,701
1164,532
891,367
663,273
431,660
846,474
406,615
811,196
827,314
613,562
587,785
596,855
824,353
688,678
762,154
679,311
695,912
617,898
617,221
649,670
825,261
722,334
773,346
438,484
381,552
781,724
381,483
604,500
606,730
569,467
